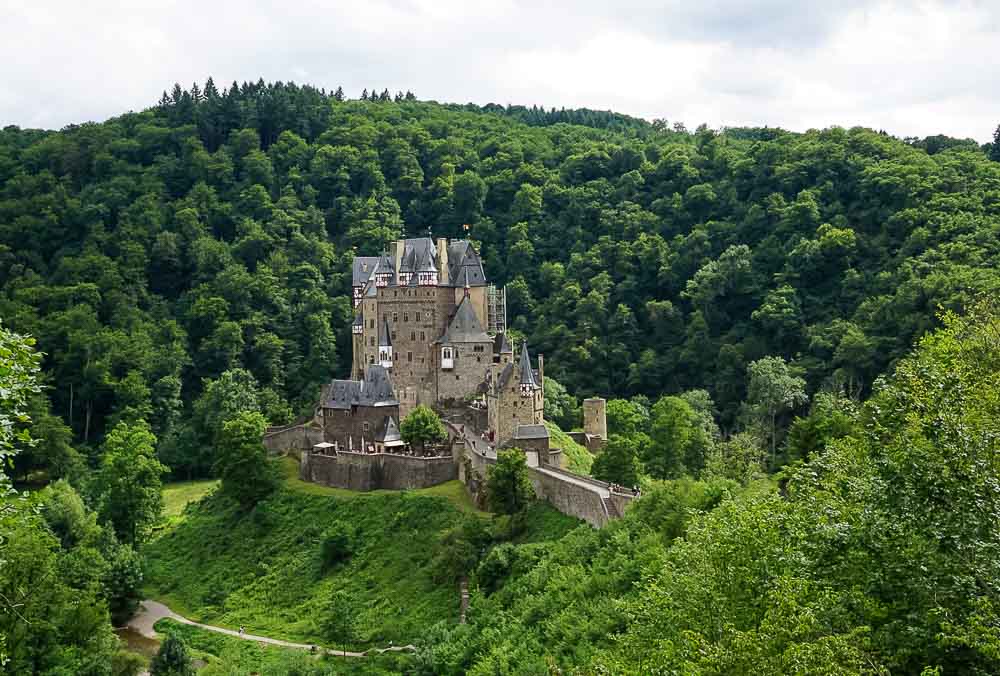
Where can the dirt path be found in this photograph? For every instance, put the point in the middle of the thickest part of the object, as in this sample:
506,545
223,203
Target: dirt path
150,612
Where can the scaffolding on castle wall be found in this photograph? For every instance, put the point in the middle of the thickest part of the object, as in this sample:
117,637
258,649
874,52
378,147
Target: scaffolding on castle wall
496,300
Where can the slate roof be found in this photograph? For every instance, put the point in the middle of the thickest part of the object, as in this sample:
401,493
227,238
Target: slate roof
384,335
527,375
358,320
376,388
387,430
465,326
384,263
501,345
419,255
504,377
531,432
362,269
464,261
342,394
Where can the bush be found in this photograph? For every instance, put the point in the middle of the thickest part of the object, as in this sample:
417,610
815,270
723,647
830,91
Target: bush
336,546
496,567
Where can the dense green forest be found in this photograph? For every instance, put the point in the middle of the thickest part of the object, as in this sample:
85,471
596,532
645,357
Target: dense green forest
154,252
815,500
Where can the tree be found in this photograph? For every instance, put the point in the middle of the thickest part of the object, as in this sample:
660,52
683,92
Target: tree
422,426
618,462
129,482
247,475
172,659
561,407
772,390
681,439
831,417
508,488
626,417
339,619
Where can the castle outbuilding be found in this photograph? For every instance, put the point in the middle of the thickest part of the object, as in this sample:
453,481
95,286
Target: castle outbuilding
357,412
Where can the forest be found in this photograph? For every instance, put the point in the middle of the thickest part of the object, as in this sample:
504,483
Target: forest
796,333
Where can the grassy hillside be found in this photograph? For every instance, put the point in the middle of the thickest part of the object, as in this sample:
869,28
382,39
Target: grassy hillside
578,458
264,569
236,657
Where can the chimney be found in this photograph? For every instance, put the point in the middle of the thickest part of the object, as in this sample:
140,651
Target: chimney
396,251
442,256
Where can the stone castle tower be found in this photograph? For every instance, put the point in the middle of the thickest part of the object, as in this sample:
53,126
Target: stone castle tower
423,309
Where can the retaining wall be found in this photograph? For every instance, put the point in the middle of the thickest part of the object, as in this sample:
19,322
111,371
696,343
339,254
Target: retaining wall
569,498
572,494
293,437
372,471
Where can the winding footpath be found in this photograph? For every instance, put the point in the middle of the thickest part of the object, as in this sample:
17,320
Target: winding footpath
150,612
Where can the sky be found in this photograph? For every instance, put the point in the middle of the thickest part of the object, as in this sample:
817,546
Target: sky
910,68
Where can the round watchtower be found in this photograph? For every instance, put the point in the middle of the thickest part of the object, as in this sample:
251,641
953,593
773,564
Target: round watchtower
595,420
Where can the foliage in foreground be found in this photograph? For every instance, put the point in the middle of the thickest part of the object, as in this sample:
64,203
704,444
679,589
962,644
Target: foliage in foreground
229,656
881,556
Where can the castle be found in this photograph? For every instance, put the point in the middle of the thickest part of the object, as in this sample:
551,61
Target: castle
429,329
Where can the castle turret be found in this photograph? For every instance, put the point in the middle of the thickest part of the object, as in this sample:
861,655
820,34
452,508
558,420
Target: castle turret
385,346
528,383
384,271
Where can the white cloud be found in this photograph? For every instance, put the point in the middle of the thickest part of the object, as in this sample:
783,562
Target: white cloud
910,68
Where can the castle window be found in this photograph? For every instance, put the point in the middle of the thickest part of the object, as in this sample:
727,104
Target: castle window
371,341
394,335
416,317
366,427
447,358
458,377
395,317
413,335
423,336
477,348
371,323
371,359
406,316
409,356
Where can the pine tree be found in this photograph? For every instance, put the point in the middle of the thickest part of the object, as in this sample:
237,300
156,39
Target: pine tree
995,146
364,94
339,94
211,93
384,96
410,96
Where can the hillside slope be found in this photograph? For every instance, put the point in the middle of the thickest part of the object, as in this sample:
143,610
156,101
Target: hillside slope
265,570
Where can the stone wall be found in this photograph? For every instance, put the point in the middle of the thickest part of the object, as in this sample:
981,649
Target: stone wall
294,437
373,471
468,372
572,494
588,441
569,497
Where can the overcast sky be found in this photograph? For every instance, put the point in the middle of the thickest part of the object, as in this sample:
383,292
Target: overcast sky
911,68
